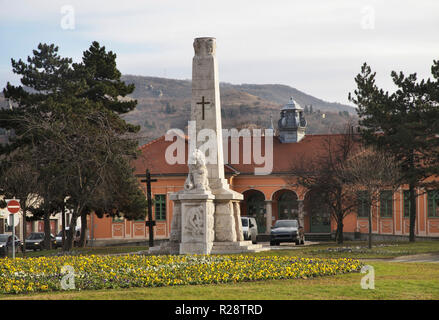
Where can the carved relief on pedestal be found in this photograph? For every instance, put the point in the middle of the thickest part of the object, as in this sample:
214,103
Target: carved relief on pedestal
204,46
194,223
197,179
176,223
224,222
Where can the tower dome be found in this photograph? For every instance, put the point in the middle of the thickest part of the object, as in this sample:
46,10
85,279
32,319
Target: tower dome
292,122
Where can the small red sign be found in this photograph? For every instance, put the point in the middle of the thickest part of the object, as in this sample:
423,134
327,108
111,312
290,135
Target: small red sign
13,206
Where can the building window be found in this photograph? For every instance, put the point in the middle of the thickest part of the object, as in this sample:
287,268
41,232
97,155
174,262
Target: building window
433,203
117,219
160,206
386,204
407,205
363,204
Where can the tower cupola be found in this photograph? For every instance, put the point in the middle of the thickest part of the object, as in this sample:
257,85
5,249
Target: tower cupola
292,123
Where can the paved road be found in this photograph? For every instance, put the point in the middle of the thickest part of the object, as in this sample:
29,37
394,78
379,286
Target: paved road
287,245
426,257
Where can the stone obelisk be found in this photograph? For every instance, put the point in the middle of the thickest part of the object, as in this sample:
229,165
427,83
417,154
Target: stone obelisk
206,111
206,105
206,217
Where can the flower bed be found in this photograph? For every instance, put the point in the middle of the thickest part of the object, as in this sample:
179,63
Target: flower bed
100,272
357,249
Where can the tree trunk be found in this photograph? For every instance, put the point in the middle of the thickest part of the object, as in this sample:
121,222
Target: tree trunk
82,240
63,226
370,229
412,190
71,232
339,235
340,216
47,240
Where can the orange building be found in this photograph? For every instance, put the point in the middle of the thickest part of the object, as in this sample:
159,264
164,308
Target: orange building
273,196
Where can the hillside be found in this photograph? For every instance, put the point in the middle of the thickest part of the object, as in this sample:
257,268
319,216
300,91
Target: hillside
165,103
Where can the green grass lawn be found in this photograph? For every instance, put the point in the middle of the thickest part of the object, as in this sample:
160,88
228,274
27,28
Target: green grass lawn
387,251
392,281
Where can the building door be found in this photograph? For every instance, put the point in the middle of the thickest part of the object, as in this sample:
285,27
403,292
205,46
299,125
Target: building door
318,212
53,226
256,209
288,206
320,221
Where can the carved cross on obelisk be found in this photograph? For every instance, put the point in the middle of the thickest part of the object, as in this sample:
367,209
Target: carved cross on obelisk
203,103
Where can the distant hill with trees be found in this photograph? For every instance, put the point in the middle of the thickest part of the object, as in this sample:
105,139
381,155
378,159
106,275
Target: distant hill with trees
165,103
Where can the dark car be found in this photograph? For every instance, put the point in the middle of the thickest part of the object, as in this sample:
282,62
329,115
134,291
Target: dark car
76,237
35,241
287,231
6,244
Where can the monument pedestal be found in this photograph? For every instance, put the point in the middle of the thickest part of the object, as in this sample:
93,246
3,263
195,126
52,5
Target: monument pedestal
197,222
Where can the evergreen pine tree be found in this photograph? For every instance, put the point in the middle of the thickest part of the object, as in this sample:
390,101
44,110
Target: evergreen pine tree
403,124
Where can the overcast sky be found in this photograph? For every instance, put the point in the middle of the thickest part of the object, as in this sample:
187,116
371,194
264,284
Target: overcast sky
316,46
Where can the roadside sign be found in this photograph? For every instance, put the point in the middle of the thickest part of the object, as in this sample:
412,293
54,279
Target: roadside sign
12,222
13,206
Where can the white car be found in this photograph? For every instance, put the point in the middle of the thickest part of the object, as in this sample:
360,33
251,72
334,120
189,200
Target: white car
249,228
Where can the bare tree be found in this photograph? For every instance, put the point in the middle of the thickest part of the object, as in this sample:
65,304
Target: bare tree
80,155
19,179
371,171
323,175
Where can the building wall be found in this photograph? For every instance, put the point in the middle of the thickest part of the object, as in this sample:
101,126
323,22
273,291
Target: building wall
107,228
270,186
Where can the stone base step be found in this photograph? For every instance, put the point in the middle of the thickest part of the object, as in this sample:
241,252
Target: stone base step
236,247
218,248
318,236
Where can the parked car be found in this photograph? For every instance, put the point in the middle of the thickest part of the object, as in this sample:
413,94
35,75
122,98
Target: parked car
6,244
249,228
76,237
35,241
287,231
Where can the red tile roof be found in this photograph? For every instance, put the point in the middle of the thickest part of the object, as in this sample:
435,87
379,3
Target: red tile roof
285,155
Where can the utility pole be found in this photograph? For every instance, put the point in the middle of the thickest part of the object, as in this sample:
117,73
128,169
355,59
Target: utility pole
24,226
150,223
